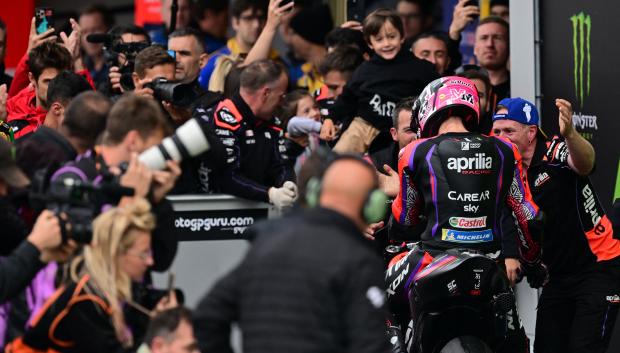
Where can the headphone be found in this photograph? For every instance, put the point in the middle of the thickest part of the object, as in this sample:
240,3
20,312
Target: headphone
374,207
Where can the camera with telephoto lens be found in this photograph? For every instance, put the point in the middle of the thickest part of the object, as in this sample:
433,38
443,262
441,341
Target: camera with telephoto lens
189,140
75,202
178,93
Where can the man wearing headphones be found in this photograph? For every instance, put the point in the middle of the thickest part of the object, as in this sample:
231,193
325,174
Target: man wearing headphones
460,189
312,283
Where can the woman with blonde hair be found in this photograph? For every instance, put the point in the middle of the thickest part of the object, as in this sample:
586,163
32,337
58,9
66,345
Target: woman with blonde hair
87,314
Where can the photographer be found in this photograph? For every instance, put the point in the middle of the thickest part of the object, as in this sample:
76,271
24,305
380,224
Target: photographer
125,43
134,124
24,258
87,314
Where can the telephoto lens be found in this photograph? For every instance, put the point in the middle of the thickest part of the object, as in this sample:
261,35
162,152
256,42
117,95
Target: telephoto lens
178,93
189,140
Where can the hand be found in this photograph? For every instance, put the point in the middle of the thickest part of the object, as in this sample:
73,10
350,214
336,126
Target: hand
537,274
167,302
164,180
72,42
178,115
461,17
284,196
328,130
138,177
567,129
3,98
115,79
369,232
275,13
389,184
34,39
301,140
140,90
60,254
46,233
513,270
352,25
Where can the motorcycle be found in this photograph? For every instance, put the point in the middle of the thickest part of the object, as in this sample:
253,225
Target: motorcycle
462,302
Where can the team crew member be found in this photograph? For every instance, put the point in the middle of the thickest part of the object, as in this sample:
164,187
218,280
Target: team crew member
462,182
581,299
256,165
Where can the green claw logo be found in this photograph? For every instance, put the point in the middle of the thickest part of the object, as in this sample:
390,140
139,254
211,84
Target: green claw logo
582,26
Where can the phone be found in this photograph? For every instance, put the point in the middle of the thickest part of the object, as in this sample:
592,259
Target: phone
44,19
285,2
473,3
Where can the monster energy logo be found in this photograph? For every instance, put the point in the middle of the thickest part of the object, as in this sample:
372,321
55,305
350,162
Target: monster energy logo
582,26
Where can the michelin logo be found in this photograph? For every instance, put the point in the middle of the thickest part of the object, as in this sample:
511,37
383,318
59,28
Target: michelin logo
457,236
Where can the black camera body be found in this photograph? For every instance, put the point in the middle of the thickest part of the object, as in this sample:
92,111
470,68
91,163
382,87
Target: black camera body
74,201
178,93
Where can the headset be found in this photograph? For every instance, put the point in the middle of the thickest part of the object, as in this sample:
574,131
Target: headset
374,207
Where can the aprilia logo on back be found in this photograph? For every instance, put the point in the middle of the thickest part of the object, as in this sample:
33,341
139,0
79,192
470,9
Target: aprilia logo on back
480,164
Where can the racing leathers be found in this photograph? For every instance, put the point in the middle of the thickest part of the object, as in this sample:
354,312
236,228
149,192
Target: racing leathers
459,190
256,157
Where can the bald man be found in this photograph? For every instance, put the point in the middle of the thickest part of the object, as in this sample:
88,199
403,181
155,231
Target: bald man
312,283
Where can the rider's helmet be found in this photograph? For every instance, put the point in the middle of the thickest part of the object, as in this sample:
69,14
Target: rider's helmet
442,98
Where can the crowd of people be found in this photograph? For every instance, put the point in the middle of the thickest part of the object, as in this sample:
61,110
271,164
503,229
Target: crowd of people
344,123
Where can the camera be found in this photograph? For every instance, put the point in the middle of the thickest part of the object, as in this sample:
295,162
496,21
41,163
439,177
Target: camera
113,46
189,140
78,201
178,93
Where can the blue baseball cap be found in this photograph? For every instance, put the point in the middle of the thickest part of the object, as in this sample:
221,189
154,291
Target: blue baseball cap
521,111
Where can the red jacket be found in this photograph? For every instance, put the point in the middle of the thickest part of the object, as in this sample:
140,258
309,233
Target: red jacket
23,114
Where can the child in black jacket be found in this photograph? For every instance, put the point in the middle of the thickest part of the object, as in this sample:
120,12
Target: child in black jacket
392,74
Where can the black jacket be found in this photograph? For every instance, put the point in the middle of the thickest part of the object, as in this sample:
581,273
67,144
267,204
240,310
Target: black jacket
256,154
312,285
18,269
378,85
42,149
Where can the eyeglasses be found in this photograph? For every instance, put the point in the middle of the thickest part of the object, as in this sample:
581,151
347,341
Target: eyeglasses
144,256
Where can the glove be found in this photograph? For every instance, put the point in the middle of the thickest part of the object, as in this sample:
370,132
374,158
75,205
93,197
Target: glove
537,274
397,344
284,196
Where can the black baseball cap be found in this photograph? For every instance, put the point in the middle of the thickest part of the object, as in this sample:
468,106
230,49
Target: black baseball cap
9,171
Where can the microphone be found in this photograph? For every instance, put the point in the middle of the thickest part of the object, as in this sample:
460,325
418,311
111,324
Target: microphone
100,38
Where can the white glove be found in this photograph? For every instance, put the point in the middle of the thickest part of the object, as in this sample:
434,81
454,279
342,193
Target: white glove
284,196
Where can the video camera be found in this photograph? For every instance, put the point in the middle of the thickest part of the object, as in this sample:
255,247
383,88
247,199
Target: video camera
113,46
75,202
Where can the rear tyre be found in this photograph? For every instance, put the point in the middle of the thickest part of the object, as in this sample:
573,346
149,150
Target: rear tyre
466,344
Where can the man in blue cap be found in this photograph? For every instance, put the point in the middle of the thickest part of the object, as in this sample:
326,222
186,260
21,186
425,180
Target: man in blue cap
581,300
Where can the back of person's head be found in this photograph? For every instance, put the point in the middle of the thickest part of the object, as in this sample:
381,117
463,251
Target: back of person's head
343,59
65,86
48,55
114,233
93,105
133,113
162,327
102,10
232,81
346,37
313,23
376,19
240,6
150,57
190,32
259,74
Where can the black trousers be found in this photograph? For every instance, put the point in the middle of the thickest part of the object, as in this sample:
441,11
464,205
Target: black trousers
576,314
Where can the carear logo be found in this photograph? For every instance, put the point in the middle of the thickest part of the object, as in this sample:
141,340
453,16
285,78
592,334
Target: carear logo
582,27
